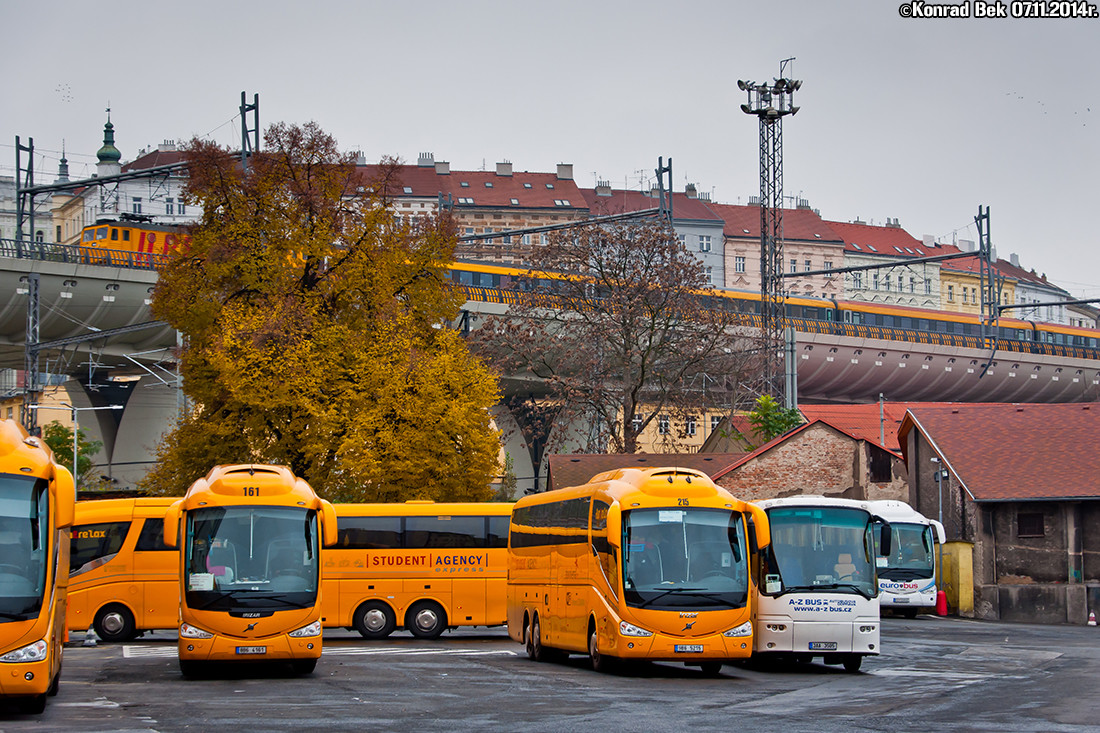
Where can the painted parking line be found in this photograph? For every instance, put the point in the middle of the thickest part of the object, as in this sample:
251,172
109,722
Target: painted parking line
158,652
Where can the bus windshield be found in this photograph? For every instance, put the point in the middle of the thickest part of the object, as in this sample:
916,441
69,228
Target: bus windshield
23,546
820,548
251,558
911,552
684,558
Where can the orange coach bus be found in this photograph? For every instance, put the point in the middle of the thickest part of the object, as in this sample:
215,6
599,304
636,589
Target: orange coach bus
419,565
250,541
650,564
36,511
123,579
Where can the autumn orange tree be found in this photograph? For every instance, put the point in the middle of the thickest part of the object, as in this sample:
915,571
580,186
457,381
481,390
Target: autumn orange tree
618,327
314,321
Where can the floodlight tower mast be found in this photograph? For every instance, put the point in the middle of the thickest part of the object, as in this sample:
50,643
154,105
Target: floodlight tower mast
771,103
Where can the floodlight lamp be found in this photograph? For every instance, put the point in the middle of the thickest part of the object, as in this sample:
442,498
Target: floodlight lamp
741,84
746,109
796,85
794,110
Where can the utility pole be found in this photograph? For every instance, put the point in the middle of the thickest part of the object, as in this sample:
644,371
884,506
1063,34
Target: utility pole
991,280
771,103
249,145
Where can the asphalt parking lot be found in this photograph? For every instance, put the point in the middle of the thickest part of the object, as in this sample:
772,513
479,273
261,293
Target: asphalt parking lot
934,674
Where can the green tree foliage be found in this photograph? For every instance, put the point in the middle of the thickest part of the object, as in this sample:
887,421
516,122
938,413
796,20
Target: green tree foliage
771,420
60,440
315,323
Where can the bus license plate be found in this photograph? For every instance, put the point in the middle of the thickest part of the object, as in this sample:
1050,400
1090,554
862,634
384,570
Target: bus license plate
252,650
690,648
823,645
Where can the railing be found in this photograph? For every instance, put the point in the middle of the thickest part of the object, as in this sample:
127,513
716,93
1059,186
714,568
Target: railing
80,255
859,330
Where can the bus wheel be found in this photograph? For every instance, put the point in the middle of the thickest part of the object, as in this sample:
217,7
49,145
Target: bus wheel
426,620
909,612
600,662
375,620
55,685
114,622
535,651
303,666
852,662
191,668
711,669
35,705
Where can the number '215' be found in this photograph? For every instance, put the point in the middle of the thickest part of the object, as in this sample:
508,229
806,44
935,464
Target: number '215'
682,502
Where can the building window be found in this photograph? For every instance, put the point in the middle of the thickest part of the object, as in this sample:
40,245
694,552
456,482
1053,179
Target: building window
1030,524
806,266
927,287
704,243
136,204
636,422
738,264
662,424
169,207
886,281
794,265
857,280
874,280
181,210
912,285
715,420
950,293
828,265
58,233
689,425
710,278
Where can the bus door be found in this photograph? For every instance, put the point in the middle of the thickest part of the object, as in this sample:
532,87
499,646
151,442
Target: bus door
158,565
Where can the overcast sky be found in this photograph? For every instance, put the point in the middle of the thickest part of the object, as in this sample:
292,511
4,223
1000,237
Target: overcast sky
922,120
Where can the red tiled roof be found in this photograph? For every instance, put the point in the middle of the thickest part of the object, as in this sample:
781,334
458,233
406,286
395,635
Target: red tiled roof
891,241
1009,452
798,224
683,206
578,469
154,159
543,189
862,421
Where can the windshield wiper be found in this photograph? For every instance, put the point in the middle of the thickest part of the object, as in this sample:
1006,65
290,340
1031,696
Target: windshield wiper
827,586
662,594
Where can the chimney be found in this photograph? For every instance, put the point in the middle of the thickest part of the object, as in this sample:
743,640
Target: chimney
893,223
442,168
504,168
1014,259
426,160
690,191
565,171
929,240
168,146
603,188
967,245
360,159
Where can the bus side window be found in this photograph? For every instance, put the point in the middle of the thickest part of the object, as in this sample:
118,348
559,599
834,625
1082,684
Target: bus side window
93,545
151,538
498,531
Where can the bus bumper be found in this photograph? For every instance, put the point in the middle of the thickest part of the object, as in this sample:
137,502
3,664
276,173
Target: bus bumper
269,648
664,648
25,678
780,634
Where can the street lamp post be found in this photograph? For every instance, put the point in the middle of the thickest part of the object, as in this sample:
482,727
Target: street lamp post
76,426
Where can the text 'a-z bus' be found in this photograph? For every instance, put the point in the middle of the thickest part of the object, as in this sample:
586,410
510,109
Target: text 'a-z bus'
819,581
636,565
249,539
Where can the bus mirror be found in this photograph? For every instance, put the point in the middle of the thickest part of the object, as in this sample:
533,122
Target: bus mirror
761,526
172,524
64,496
329,535
614,526
884,540
940,536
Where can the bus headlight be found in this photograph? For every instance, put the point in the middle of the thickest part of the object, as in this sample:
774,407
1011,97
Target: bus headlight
35,652
627,629
744,629
314,629
187,631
